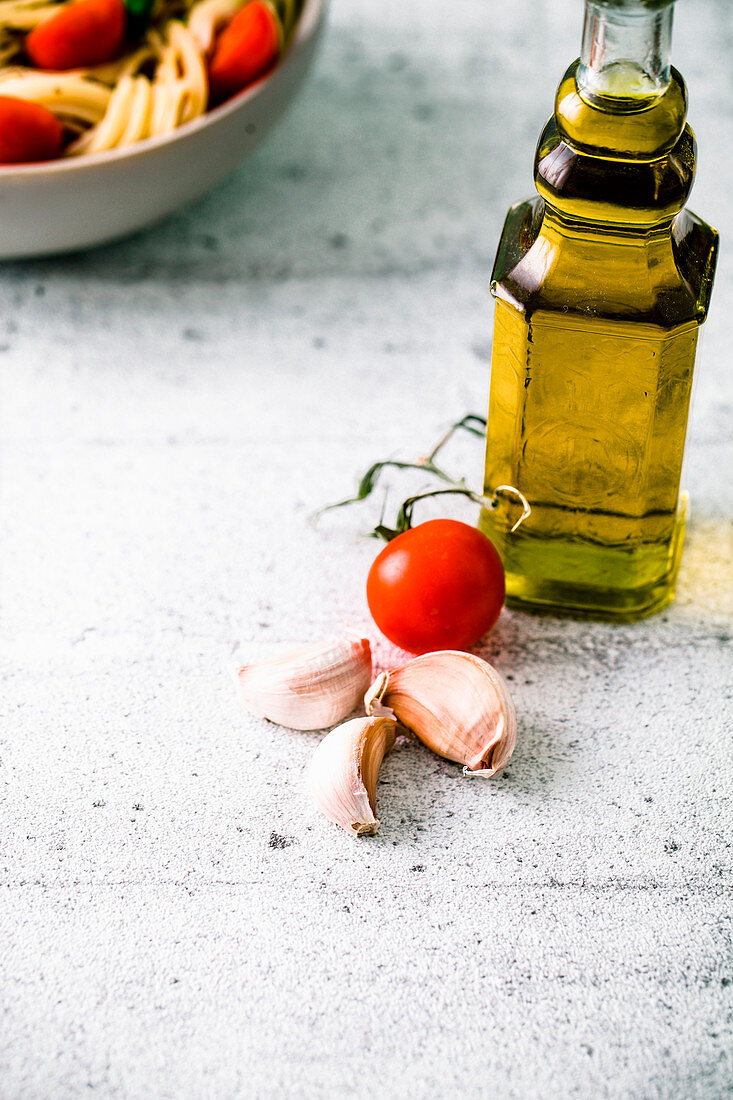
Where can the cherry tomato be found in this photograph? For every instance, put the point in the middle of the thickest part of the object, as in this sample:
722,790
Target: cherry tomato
28,132
439,585
245,49
85,32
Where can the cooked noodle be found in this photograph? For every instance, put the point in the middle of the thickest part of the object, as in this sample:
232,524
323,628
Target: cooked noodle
158,85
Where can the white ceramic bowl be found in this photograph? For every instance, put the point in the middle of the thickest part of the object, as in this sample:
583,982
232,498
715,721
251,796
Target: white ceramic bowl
62,205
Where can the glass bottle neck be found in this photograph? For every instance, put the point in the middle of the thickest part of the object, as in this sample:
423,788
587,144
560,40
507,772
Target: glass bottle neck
625,59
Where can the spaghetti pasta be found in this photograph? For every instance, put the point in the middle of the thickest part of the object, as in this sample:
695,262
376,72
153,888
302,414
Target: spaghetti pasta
160,83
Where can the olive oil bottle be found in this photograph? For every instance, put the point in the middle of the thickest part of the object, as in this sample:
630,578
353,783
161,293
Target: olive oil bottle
601,284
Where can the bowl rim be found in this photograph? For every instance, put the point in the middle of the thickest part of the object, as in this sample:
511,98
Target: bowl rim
308,22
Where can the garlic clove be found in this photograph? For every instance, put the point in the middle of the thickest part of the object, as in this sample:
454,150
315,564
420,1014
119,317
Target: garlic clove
456,703
311,688
342,776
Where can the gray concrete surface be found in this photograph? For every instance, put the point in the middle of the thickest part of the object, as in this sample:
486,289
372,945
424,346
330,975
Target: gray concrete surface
175,920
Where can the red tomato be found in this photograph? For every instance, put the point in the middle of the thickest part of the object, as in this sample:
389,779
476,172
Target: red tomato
439,585
245,49
28,132
85,32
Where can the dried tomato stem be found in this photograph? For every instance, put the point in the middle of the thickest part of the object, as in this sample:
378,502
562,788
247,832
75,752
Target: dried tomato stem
471,423
404,516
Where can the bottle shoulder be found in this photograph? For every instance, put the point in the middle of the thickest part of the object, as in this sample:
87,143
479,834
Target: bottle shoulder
662,278
521,228
695,247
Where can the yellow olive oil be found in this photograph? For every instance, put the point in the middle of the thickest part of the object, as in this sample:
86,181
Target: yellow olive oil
601,284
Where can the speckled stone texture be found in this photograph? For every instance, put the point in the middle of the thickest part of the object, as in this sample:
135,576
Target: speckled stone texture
176,921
